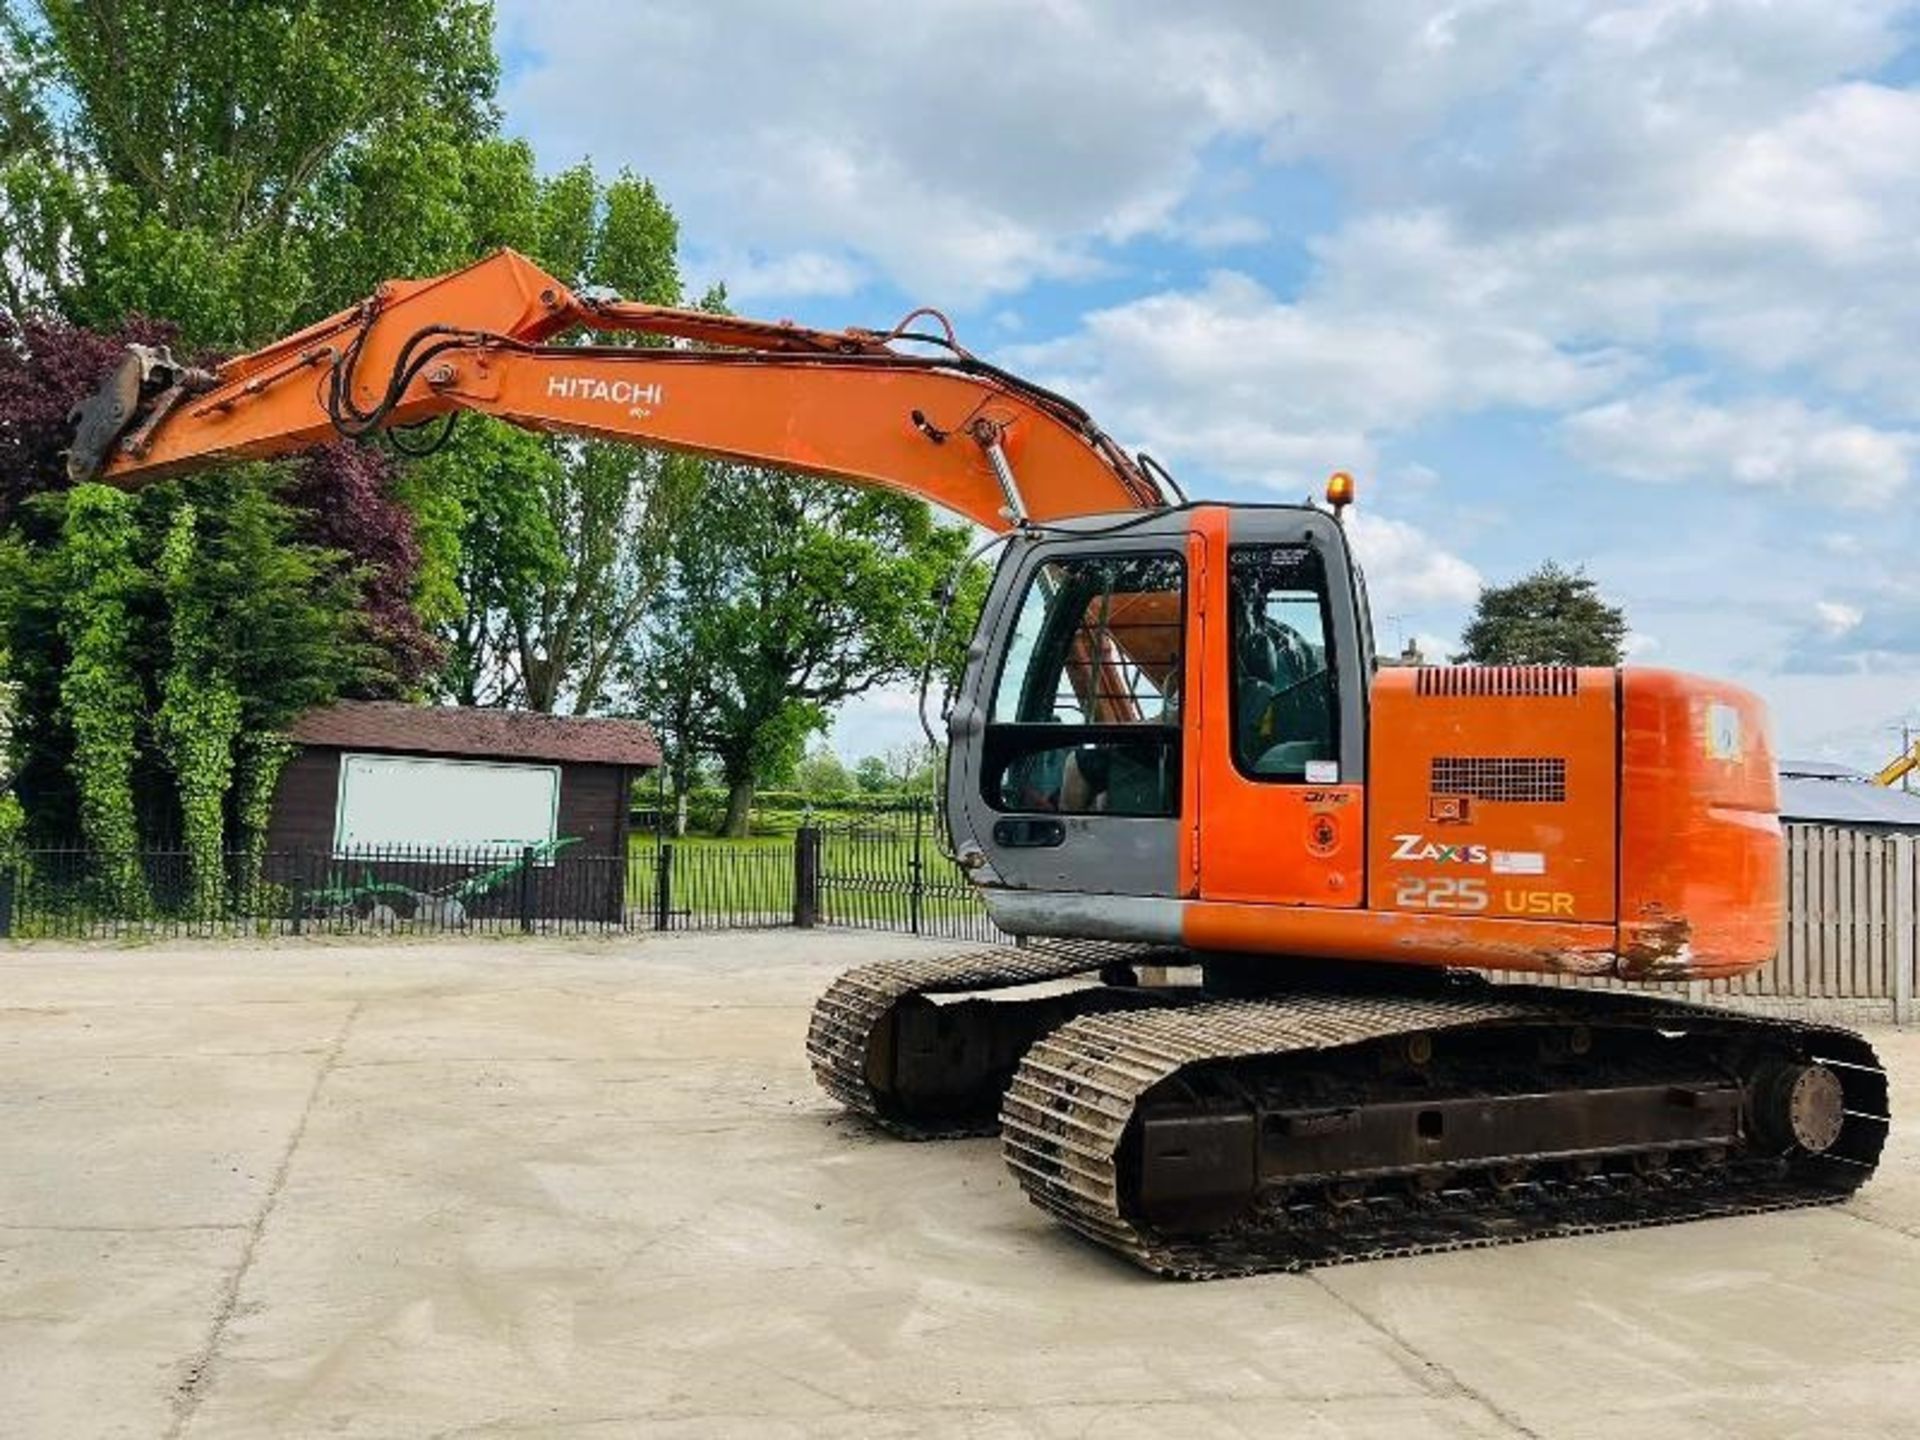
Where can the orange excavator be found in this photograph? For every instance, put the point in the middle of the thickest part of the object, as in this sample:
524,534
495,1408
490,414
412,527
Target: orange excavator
1276,907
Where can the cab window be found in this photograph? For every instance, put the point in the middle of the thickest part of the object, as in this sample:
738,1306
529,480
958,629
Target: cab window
1086,714
1284,703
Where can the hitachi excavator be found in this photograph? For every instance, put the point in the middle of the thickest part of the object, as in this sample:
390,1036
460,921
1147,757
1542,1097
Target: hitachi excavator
1275,907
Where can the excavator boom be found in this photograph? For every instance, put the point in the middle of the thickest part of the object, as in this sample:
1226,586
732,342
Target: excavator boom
853,405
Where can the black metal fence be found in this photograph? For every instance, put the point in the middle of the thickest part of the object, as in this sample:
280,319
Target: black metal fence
885,871
873,871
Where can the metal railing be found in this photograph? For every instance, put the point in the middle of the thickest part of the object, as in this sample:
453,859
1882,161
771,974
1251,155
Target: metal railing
1850,939
85,894
884,870
874,871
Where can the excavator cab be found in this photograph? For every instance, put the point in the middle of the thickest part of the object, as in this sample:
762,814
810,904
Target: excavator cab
1131,669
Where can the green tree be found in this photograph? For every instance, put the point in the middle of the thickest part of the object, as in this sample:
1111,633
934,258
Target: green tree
100,694
612,511
913,767
1553,616
171,634
822,772
39,740
289,634
872,775
199,716
905,769
487,543
543,554
22,126
787,596
239,167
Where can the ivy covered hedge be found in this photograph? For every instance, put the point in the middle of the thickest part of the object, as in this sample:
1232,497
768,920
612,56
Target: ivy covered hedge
158,643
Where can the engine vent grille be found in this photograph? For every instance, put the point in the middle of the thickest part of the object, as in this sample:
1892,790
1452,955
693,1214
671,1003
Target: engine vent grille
1497,680
1501,777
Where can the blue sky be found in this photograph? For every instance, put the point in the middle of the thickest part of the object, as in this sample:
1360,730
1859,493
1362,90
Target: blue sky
1634,287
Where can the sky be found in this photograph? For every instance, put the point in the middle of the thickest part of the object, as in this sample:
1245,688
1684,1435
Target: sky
1631,287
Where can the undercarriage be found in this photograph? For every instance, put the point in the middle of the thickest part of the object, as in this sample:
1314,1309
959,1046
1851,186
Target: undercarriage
1356,1114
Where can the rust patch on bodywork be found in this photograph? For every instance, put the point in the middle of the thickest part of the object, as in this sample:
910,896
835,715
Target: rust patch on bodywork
1582,962
1661,948
1516,959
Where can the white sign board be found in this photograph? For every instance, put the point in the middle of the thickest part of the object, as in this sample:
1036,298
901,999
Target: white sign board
390,802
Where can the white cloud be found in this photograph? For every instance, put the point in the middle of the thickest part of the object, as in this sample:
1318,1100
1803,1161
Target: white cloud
1639,645
1534,193
1225,233
1667,435
962,148
1775,234
795,275
1415,476
1230,378
873,723
969,146
1406,570
1837,617
1866,623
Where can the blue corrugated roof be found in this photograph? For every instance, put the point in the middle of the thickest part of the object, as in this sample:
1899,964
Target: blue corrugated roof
1844,799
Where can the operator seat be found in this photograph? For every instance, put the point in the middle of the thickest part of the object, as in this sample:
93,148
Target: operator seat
1256,679
1274,661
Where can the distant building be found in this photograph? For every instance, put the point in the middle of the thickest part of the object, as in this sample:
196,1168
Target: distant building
1815,792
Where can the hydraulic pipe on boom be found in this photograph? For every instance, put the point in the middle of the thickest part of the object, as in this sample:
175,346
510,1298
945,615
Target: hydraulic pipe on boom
851,405
1169,747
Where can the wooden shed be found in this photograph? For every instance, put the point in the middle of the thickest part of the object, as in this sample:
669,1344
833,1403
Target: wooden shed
452,788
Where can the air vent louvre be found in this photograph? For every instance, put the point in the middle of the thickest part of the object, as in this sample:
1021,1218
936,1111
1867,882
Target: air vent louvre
1536,778
1497,680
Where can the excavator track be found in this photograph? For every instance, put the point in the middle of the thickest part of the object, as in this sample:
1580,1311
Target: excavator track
1109,1109
873,1021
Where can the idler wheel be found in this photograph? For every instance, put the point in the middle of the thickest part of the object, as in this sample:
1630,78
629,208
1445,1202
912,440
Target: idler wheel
1508,1178
1346,1194
1798,1106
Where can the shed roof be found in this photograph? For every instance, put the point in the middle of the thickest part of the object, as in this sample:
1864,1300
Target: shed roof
1818,770
458,730
1844,799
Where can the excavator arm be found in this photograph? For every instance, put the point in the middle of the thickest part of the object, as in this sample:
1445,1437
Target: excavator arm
852,405
1898,768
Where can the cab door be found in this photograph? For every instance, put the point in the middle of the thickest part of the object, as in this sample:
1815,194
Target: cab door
1069,763
1281,755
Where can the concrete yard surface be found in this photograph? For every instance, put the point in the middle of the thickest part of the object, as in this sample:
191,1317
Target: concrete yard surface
589,1190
